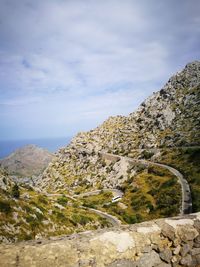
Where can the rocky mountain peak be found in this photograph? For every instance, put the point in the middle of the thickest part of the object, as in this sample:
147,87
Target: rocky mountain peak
27,161
168,118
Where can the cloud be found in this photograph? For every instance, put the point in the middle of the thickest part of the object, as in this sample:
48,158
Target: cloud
97,58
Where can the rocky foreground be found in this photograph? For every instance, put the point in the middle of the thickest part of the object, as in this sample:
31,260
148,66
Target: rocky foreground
159,243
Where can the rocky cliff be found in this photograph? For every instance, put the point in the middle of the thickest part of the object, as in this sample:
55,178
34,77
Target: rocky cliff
159,243
167,119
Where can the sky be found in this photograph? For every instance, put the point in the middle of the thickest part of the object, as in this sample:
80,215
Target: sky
67,65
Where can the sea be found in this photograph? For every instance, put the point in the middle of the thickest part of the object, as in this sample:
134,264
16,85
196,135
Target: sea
51,144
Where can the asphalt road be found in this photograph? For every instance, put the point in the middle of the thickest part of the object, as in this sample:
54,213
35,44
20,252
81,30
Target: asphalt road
186,205
112,219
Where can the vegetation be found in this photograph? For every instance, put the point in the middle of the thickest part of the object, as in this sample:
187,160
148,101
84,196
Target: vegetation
5,206
97,201
41,215
62,200
152,193
15,191
187,161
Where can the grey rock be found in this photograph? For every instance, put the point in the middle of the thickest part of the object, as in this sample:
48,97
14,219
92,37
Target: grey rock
122,263
168,231
197,239
184,250
195,251
176,250
197,259
166,255
196,245
186,261
197,225
163,264
149,259
187,233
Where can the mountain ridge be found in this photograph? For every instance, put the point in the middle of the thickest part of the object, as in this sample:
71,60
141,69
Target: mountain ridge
28,160
163,132
161,121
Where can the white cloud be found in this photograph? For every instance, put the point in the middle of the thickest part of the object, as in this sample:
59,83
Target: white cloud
96,58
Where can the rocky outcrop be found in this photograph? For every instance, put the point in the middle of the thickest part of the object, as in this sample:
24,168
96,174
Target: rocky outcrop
168,118
27,161
160,243
5,181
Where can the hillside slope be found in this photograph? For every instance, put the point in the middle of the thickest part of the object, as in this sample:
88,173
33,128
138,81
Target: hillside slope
27,161
165,128
168,118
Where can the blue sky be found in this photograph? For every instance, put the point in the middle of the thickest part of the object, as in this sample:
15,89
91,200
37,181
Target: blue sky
65,66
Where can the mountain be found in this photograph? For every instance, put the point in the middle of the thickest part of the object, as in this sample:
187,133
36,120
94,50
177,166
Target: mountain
27,161
169,118
78,189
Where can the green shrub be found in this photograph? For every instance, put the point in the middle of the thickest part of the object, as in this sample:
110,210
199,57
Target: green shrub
80,219
147,154
60,216
168,183
15,191
42,199
150,206
130,219
5,206
156,171
28,209
62,200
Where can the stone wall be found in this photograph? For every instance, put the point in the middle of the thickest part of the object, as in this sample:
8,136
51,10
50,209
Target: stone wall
110,157
161,243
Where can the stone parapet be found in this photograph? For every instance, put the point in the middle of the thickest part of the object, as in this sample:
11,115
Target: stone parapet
161,243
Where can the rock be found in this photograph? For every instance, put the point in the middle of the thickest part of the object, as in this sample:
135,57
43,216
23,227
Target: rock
122,263
186,261
149,259
163,264
195,251
176,259
197,259
197,241
197,225
184,250
166,255
177,250
187,233
167,230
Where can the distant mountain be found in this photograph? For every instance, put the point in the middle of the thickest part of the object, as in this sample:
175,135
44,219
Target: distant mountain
27,161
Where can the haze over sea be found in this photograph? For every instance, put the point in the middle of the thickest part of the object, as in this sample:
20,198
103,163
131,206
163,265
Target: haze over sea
51,144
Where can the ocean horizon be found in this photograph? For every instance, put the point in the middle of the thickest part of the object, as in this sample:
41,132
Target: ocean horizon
51,144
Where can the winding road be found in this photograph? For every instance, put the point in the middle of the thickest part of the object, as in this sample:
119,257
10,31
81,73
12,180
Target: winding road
186,205
110,218
115,192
